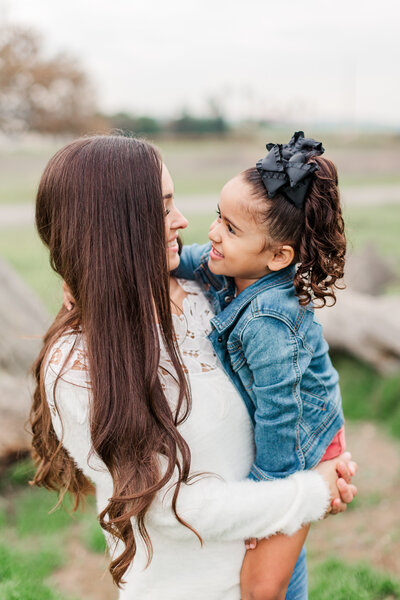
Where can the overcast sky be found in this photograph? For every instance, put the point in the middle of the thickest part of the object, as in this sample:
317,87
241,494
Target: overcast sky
314,60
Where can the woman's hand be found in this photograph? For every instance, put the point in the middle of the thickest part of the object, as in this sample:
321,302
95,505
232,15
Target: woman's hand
68,299
338,474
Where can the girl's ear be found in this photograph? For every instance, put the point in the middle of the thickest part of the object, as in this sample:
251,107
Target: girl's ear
282,257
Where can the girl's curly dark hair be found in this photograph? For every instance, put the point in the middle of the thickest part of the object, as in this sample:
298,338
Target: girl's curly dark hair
316,232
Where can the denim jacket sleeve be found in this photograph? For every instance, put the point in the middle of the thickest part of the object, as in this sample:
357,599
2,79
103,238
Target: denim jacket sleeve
271,352
190,259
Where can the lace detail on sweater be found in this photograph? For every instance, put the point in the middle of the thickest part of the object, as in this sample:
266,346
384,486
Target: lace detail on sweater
191,330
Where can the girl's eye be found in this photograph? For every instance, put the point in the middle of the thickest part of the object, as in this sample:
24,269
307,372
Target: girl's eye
218,213
167,211
230,228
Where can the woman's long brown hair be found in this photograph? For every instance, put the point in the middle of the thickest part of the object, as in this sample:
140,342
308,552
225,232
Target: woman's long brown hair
316,232
99,210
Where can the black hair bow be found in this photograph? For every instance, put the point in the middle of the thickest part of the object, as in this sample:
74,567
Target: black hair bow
285,170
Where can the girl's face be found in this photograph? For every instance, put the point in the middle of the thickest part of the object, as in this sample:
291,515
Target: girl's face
240,246
174,220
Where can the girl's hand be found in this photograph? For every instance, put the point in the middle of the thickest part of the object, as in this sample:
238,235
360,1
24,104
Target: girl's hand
68,299
338,474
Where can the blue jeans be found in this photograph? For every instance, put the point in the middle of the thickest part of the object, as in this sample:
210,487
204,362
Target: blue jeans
298,585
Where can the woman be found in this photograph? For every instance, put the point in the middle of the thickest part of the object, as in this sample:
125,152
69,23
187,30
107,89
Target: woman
112,404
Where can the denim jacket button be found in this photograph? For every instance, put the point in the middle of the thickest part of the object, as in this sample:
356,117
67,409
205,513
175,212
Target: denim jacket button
228,299
220,338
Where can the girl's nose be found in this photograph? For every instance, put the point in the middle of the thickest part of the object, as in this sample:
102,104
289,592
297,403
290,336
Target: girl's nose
214,231
213,224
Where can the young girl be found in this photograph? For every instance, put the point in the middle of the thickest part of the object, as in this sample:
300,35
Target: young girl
277,250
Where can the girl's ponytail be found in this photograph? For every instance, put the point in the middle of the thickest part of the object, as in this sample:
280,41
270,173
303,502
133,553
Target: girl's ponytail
315,230
322,243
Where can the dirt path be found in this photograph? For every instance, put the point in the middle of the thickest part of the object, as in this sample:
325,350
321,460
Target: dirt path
86,574
368,532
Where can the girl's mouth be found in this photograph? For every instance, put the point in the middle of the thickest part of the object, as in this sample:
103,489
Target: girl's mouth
215,254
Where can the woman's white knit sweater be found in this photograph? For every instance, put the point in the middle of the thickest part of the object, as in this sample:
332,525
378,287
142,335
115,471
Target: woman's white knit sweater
224,510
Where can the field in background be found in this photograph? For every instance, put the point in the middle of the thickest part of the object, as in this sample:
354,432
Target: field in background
202,166
37,547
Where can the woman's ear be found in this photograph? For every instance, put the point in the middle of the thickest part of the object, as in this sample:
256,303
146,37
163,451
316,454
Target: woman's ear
282,257
68,299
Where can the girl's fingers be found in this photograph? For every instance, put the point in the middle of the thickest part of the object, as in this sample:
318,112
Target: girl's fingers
353,466
251,543
346,455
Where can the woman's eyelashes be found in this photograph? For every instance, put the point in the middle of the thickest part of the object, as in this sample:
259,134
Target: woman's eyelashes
168,204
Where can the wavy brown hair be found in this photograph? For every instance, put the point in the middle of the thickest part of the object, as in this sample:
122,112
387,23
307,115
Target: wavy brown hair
100,212
316,231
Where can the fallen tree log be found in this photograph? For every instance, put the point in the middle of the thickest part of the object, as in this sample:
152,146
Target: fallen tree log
364,322
23,321
368,327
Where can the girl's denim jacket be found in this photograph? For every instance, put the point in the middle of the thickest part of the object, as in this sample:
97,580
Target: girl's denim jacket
274,351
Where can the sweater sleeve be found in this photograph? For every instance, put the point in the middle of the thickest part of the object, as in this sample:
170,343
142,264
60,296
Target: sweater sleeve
216,509
235,510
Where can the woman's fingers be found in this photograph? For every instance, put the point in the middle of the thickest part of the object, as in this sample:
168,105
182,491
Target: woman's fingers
347,492
346,467
337,507
343,471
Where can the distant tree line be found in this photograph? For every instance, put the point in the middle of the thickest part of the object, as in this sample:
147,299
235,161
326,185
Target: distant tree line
184,125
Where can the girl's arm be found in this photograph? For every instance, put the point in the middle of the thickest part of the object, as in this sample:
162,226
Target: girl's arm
272,356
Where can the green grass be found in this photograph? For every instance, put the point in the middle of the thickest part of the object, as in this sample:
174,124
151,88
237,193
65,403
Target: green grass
368,395
92,535
379,225
22,573
342,581
33,538
24,251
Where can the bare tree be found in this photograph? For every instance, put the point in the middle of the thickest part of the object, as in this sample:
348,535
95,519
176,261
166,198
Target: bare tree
49,95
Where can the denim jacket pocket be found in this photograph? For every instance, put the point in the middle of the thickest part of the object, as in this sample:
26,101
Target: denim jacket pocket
313,390
313,400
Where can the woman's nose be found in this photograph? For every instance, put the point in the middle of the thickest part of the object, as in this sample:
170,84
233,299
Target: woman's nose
180,221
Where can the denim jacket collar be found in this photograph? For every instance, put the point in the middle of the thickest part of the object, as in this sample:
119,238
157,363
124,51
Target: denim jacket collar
225,319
